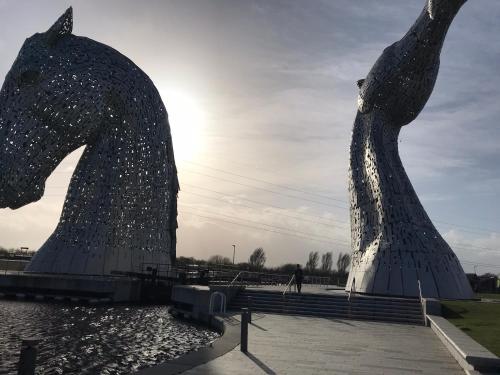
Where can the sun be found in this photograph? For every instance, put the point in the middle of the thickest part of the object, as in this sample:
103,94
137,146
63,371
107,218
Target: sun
187,121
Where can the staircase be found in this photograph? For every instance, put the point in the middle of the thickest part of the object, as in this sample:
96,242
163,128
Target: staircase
386,309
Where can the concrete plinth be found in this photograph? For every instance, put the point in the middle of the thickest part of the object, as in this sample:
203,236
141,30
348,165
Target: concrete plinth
193,301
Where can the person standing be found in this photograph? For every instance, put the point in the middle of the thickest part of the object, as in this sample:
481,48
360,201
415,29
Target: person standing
299,275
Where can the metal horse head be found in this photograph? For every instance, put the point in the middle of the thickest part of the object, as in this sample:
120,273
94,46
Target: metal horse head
65,91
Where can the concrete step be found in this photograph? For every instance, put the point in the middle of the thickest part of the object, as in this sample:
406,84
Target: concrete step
323,295
319,310
346,307
242,298
325,298
338,315
400,310
410,308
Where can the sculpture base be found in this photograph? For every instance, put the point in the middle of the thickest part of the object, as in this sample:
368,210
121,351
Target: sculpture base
397,276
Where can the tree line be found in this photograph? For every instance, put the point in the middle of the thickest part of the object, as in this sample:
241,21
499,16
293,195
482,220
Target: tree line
316,264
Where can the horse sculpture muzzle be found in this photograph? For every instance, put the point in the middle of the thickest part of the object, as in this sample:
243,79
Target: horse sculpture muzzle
22,181
402,79
20,184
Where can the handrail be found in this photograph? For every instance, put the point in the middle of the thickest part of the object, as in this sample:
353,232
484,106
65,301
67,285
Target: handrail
230,279
288,285
420,291
351,289
422,305
236,278
222,302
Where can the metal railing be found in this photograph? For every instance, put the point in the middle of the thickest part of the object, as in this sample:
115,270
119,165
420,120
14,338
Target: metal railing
62,275
422,306
289,284
352,288
251,278
193,274
236,278
11,272
317,280
222,303
420,291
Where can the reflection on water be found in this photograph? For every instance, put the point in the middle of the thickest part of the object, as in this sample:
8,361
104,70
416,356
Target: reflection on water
94,340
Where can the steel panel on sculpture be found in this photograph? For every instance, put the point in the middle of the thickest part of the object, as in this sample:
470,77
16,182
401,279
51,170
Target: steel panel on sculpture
65,91
395,245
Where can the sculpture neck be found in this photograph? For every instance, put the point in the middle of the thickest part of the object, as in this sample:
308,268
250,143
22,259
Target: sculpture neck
378,183
123,192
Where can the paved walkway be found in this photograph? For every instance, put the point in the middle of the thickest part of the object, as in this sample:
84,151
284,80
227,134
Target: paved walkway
306,288
290,345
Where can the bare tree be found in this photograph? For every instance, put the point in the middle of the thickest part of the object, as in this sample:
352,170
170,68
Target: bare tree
326,262
343,262
257,259
312,262
219,259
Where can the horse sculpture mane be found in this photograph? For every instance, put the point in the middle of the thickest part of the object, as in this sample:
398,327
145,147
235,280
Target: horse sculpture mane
120,212
396,248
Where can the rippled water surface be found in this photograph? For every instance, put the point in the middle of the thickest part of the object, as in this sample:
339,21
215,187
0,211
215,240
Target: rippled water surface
94,340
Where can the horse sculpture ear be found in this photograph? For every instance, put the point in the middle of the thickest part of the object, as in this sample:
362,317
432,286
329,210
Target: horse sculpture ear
62,27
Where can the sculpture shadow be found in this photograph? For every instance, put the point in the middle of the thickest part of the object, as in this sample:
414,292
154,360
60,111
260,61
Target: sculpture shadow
340,321
259,327
261,364
452,314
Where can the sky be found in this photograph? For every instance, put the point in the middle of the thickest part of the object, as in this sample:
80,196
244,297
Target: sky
261,96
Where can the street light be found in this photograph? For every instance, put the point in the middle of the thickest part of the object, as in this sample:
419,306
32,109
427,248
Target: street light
234,252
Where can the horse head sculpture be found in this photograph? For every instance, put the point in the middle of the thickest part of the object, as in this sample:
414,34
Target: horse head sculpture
396,247
65,91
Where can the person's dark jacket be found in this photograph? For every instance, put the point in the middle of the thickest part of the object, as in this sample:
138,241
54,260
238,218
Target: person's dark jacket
299,275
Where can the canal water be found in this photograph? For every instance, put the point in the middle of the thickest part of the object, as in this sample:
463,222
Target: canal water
95,340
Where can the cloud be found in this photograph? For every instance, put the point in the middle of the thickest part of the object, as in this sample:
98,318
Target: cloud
277,80
480,250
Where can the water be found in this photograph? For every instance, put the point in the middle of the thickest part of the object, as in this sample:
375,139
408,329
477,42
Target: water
95,340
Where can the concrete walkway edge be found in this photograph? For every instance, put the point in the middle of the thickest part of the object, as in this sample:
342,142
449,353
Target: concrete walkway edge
469,353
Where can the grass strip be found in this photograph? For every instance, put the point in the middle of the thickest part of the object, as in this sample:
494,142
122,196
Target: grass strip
480,320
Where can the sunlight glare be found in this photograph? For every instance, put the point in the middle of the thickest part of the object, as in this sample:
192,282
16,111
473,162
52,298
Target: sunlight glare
187,120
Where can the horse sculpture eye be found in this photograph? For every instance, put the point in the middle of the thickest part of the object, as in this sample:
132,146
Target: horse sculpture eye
29,77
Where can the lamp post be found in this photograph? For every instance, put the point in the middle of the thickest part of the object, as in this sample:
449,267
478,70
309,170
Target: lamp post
234,252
